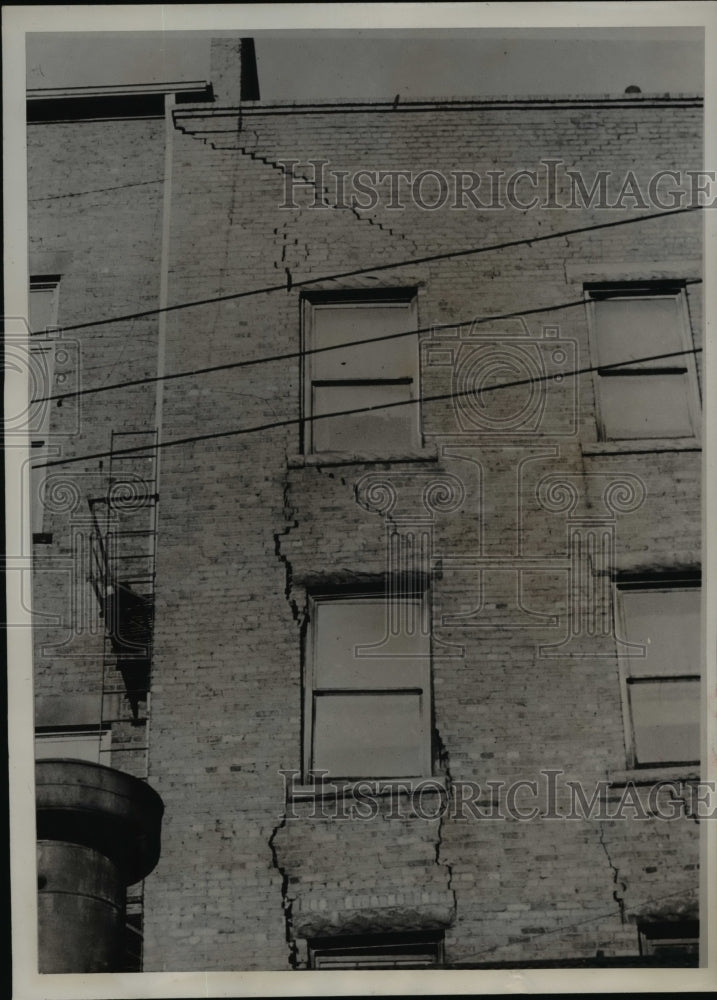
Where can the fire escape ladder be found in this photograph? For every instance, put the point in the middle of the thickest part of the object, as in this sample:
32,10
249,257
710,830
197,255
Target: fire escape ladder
122,575
123,559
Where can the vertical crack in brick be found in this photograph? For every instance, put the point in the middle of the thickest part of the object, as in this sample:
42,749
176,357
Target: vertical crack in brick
445,765
286,901
232,205
283,236
289,513
620,886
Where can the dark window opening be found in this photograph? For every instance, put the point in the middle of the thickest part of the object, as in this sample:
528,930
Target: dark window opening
671,943
377,951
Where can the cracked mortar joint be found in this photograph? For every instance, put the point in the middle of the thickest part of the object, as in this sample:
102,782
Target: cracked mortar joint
320,192
445,762
292,524
619,899
286,901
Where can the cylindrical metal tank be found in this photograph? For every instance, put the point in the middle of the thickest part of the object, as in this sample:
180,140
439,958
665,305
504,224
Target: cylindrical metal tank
98,832
80,903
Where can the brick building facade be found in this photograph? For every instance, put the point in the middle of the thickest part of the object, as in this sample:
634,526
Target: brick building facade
477,586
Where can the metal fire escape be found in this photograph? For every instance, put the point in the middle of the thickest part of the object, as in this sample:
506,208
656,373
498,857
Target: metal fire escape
122,574
123,562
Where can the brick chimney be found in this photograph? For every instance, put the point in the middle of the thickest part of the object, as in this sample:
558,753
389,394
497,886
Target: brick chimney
233,70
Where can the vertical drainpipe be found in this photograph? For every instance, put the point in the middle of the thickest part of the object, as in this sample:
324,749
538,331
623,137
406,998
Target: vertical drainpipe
161,347
164,271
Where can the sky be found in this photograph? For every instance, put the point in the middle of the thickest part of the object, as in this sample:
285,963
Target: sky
309,65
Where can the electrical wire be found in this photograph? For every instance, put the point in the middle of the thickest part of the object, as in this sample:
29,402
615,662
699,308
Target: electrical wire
293,355
293,421
430,258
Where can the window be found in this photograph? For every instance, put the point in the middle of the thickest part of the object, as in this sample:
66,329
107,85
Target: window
661,690
376,380
43,304
92,744
43,322
675,943
368,704
388,951
656,398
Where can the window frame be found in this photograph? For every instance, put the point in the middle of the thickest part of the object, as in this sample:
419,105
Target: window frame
597,292
357,297
683,936
424,681
645,583
99,735
42,342
429,944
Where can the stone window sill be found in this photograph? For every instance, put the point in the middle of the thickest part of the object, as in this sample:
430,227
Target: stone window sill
644,445
655,775
361,458
336,788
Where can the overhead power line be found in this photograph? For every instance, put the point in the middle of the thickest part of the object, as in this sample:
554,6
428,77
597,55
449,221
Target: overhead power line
430,258
293,355
293,421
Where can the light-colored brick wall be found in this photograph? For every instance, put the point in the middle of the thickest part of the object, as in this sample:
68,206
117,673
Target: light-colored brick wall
95,219
246,530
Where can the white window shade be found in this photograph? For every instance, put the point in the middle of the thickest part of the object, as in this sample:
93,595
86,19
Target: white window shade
662,688
666,720
667,623
629,329
88,745
635,407
361,375
42,356
354,646
368,706
375,417
43,303
645,377
359,734
335,325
